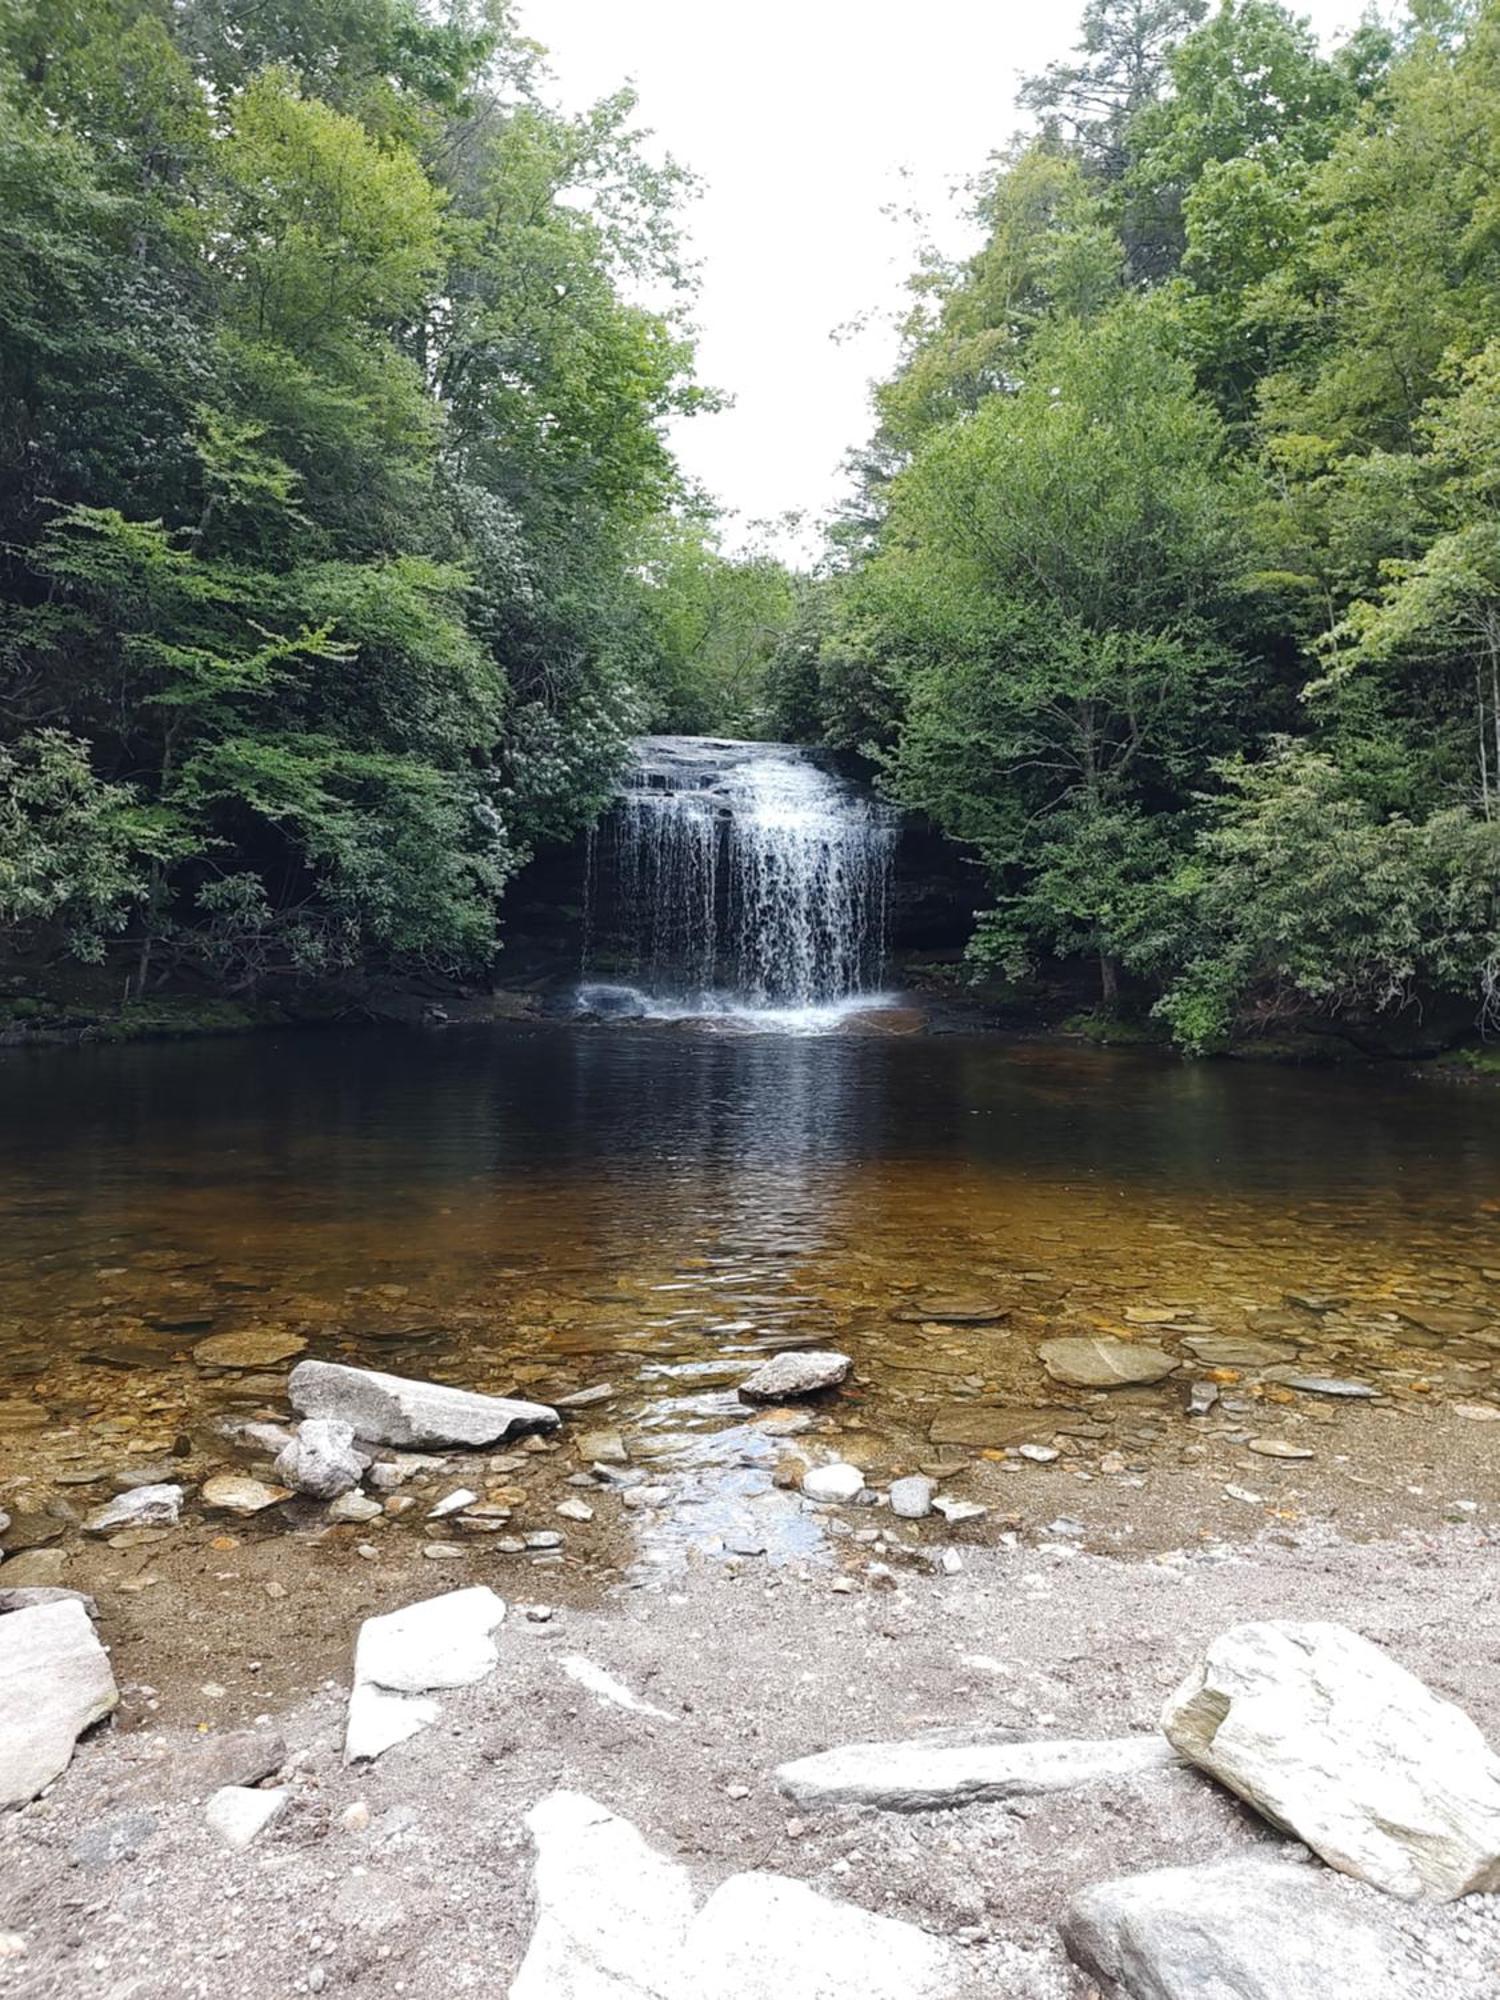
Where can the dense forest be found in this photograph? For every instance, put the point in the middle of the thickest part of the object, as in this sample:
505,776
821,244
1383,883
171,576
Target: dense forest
342,549
1173,585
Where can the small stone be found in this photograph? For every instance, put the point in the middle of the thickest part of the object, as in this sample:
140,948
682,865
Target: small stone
1273,1447
645,1496
833,1483
321,1459
844,1586
55,1681
1038,1454
236,1494
951,1562
797,1373
355,1817
1477,1413
1320,1385
602,1448
142,1506
574,1510
452,1503
585,1399
911,1498
238,1813
1112,1462
443,1551
356,1507
254,1347
1201,1398
954,1511
543,1538
736,1791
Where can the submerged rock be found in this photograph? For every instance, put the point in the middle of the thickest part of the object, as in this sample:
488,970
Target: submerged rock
1098,1362
952,1768
440,1642
393,1409
801,1373
1234,1350
1239,1930
1334,1741
55,1681
252,1347
141,1507
321,1460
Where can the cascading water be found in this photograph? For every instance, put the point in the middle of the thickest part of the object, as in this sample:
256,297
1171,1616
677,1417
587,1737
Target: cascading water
737,878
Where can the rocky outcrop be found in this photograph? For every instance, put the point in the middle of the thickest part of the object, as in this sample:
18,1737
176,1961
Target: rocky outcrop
957,1768
395,1409
1238,1930
55,1681
1330,1738
440,1642
801,1373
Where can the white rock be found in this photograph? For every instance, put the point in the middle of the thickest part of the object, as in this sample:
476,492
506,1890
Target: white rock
1238,1930
141,1507
835,1482
321,1459
574,1510
951,1769
603,1684
55,1680
440,1642
1331,1739
237,1813
954,1511
393,1409
452,1503
238,1494
911,1498
611,1913
795,1374
354,1507
765,1937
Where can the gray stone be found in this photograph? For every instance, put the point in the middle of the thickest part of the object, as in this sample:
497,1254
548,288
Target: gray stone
118,1838
55,1681
1099,1362
192,1770
22,1598
251,1347
321,1459
1236,1350
911,1498
238,1814
1235,1930
952,1768
1319,1385
440,1642
1332,1740
141,1507
392,1409
801,1373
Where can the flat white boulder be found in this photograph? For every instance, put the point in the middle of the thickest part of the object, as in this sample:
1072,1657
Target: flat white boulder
611,1913
55,1681
440,1642
947,1769
237,1813
795,1374
1330,1738
766,1937
394,1409
615,1921
1235,1930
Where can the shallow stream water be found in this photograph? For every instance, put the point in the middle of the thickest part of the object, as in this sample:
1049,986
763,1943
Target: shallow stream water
544,1209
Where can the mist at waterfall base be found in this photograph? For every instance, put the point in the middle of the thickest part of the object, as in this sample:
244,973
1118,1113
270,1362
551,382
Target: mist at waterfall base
739,882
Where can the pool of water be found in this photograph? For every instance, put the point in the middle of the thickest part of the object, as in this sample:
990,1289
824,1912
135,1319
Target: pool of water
653,1206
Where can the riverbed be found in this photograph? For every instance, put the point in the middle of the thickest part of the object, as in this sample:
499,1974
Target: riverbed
646,1210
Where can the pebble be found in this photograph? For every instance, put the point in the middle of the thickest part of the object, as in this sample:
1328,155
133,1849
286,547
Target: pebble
452,1503
911,1498
953,1510
1039,1454
443,1551
645,1496
1272,1447
355,1507
574,1510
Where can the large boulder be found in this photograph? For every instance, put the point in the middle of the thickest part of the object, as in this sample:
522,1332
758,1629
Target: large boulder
55,1681
440,1642
795,1374
952,1768
1235,1930
1330,1738
393,1409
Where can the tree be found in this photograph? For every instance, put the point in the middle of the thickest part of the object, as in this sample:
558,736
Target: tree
1123,50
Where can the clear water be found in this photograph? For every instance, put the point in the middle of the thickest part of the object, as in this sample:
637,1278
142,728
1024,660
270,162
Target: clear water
738,879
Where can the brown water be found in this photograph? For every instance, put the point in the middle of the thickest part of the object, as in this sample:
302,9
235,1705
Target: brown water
546,1208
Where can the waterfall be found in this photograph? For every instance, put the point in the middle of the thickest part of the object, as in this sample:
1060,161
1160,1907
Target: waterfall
736,877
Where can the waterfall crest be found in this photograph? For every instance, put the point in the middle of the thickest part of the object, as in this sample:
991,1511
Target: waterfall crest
735,877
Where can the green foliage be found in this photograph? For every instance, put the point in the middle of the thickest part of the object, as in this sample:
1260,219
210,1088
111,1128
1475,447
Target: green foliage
717,622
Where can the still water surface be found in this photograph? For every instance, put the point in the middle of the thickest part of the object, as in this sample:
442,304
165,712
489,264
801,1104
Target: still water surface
544,1208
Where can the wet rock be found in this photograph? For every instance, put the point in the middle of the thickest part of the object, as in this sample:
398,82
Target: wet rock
321,1460
119,1837
392,1409
1098,1362
238,1813
767,1937
1232,1350
440,1642
607,1688
55,1681
1319,1385
141,1507
994,1429
795,1374
833,1484
233,1493
911,1498
953,1309
252,1347
954,1768
1238,1930
1334,1741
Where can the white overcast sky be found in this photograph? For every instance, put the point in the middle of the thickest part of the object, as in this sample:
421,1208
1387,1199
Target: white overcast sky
807,120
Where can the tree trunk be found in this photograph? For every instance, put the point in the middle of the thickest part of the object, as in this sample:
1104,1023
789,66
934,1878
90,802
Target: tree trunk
1109,981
